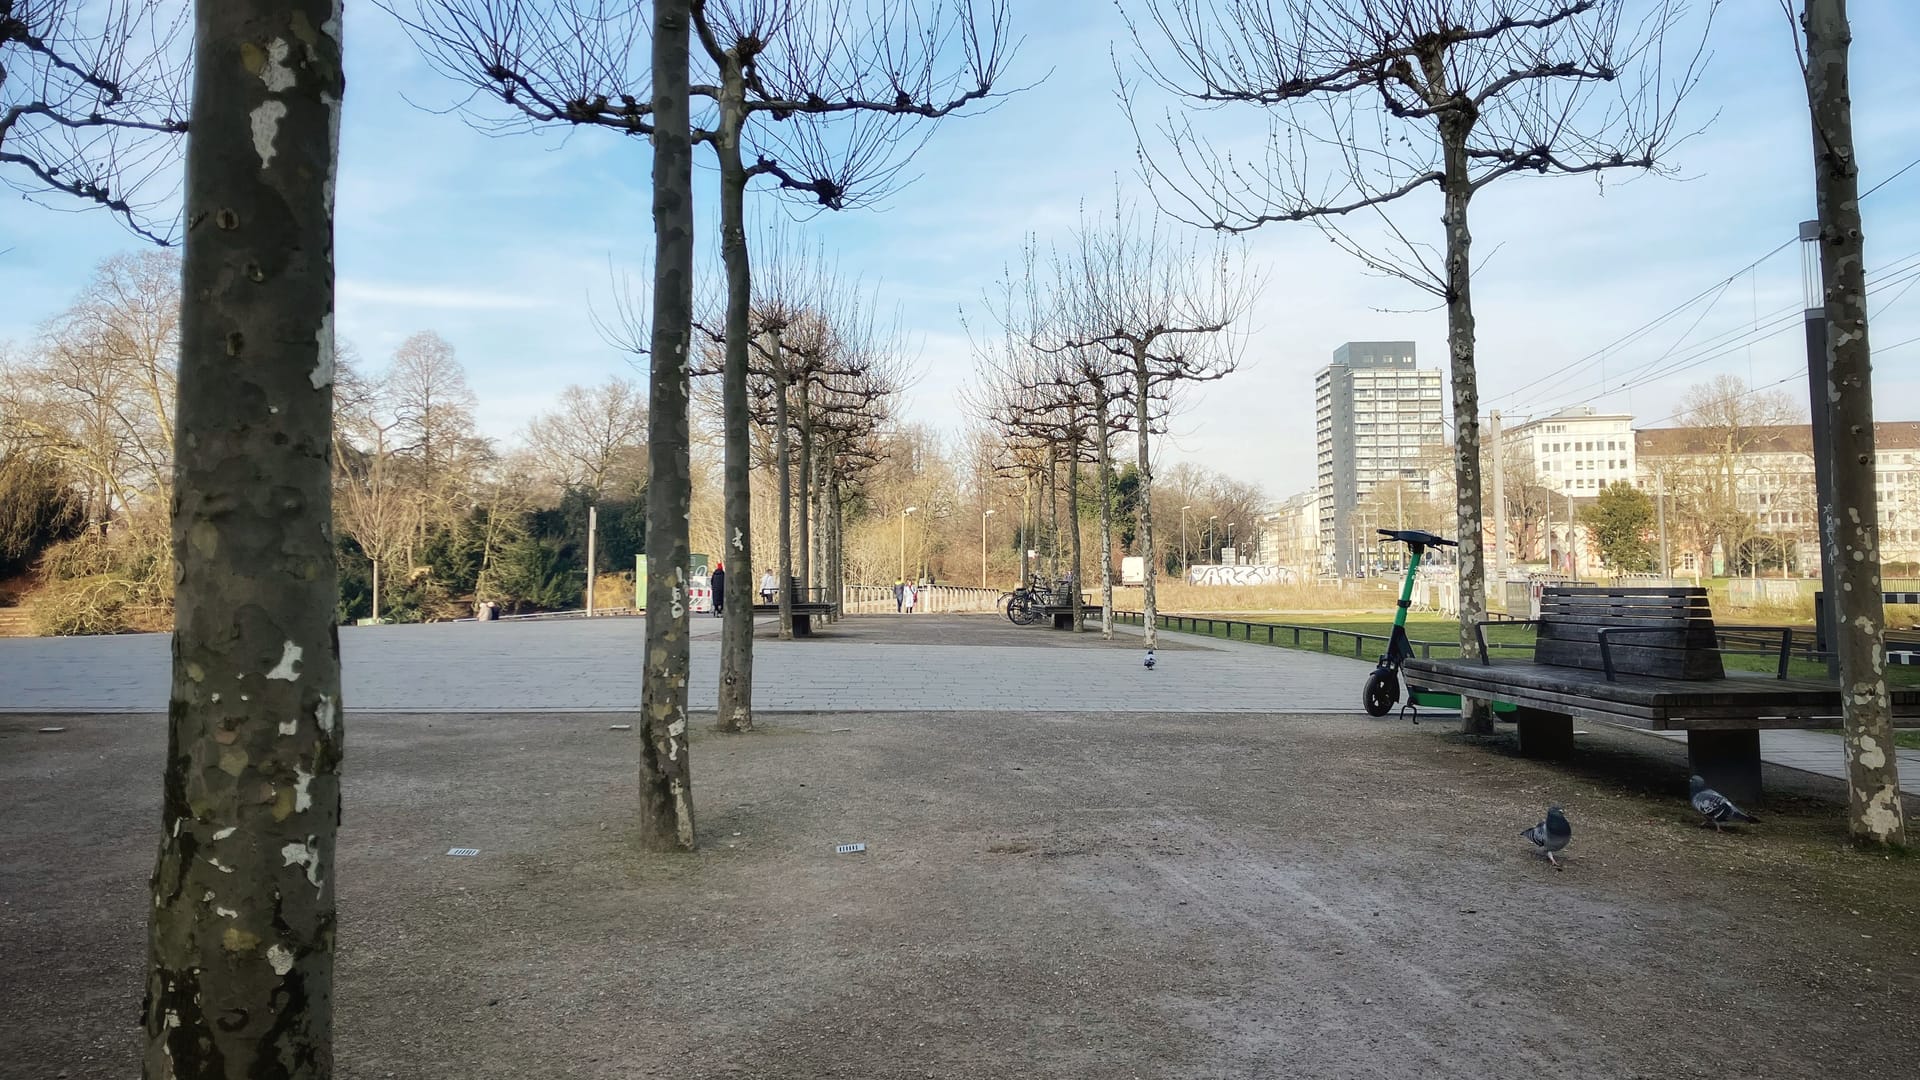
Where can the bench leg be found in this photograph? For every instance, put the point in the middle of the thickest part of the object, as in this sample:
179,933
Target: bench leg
1544,734
1063,620
802,625
1729,761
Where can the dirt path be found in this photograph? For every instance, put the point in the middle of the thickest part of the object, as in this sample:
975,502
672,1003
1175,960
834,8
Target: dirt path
1043,896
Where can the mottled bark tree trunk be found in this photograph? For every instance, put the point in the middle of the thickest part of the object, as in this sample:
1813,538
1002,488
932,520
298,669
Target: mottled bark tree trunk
1053,510
1073,523
836,534
736,631
666,773
804,542
783,475
1851,527
1105,468
1476,715
241,937
1148,571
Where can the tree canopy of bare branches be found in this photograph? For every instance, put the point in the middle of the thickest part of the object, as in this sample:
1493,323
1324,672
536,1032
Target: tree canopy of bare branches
92,101
1369,102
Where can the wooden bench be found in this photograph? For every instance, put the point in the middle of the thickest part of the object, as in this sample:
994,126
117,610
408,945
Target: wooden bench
1057,606
803,609
1651,659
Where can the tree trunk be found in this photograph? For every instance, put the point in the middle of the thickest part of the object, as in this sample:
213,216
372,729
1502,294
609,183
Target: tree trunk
807,488
783,475
1105,469
836,550
1148,571
736,631
1476,714
1053,510
241,932
1875,815
666,771
1073,523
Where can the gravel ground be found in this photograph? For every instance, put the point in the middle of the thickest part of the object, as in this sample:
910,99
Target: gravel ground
1064,896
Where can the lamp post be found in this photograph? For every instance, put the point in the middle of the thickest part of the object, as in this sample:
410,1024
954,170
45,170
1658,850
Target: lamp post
983,548
1211,557
1236,553
1185,551
1815,316
903,540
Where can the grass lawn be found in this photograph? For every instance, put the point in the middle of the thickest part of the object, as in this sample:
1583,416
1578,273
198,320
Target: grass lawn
1443,633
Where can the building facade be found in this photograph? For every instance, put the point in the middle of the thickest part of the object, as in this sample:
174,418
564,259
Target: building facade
1766,473
1576,451
1376,418
1291,534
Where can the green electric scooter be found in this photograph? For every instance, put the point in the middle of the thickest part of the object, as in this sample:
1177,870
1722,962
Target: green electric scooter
1383,685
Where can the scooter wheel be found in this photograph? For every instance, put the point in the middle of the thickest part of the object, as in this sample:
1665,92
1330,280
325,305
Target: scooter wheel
1382,692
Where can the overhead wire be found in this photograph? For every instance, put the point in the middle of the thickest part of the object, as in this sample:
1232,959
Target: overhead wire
1599,356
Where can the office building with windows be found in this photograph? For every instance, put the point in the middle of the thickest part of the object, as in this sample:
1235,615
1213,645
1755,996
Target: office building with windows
1576,451
1377,419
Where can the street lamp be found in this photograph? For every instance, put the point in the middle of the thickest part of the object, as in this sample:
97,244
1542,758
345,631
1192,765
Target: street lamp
1183,539
1236,553
1211,518
903,540
983,548
1814,315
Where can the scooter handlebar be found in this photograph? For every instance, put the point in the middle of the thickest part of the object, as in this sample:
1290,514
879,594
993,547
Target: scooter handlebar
1415,536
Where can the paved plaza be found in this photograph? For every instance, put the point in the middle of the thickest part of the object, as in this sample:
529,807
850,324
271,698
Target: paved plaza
863,663
866,663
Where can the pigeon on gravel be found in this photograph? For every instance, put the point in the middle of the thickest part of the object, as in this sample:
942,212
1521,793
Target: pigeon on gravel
1715,807
1551,835
1149,659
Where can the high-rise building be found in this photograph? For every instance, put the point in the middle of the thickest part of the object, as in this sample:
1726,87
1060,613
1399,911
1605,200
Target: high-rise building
1375,414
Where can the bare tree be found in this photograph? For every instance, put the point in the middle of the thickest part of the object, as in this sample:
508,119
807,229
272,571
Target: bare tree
593,439
841,83
1168,309
432,403
98,394
92,102
241,941
1850,527
666,766
1400,96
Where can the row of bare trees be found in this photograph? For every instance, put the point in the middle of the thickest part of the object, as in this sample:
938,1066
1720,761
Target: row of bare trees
817,100
1099,336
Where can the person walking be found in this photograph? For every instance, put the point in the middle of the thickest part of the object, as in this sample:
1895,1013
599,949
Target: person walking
899,595
719,580
908,595
768,586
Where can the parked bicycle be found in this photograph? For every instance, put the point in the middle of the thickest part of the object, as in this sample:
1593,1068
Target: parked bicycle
1023,605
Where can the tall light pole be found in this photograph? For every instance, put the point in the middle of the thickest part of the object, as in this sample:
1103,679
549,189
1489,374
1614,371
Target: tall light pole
903,540
1186,555
1236,553
1211,557
983,548
1814,316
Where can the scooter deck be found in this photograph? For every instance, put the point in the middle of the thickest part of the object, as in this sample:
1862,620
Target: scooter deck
1434,699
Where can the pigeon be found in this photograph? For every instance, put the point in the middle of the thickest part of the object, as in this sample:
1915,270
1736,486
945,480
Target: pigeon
1715,807
1149,659
1550,835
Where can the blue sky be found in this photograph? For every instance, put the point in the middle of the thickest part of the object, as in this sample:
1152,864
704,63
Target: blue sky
499,243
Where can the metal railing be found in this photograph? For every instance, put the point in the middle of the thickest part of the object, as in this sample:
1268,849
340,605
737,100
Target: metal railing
929,599
1291,635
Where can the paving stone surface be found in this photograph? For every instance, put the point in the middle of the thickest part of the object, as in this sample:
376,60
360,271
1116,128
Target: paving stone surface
863,663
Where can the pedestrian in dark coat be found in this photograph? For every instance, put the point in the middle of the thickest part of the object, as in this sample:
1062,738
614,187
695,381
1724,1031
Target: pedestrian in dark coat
719,580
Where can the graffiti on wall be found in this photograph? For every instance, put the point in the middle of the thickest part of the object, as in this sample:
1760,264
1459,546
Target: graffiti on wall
1240,575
